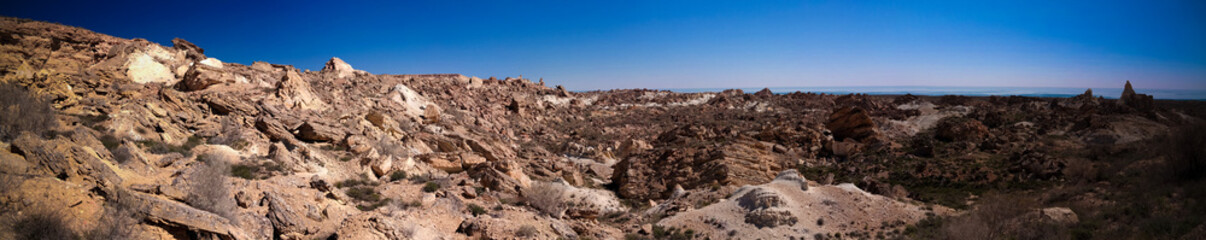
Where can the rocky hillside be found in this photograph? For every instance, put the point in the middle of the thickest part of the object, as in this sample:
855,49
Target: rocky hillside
110,138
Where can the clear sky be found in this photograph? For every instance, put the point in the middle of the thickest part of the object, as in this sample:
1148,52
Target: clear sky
689,44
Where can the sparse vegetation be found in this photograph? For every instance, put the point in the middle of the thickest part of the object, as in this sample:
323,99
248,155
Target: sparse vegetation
1186,150
252,171
476,209
546,197
231,135
397,175
42,224
116,221
110,142
157,147
208,186
431,187
122,154
660,232
355,182
362,193
526,231
21,111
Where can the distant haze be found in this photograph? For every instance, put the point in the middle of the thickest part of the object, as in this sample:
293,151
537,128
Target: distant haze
690,44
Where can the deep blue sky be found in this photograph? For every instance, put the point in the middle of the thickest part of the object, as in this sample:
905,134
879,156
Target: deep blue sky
690,44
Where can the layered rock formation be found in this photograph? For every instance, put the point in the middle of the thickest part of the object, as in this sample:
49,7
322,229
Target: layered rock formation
344,154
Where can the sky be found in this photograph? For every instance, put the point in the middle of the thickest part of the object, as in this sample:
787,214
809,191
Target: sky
586,45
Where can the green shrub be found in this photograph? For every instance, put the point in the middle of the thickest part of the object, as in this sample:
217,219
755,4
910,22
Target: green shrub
431,187
111,142
397,175
367,194
476,209
157,147
252,171
243,171
354,182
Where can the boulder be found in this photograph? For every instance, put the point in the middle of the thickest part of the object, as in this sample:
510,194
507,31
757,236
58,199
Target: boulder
631,146
172,213
263,66
382,165
212,62
415,104
502,175
226,103
192,51
373,225
1061,215
339,68
289,219
272,128
851,122
319,132
201,76
143,68
296,93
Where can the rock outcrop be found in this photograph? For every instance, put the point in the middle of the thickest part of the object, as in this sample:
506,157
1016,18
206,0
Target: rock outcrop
339,68
1140,102
781,208
133,128
851,122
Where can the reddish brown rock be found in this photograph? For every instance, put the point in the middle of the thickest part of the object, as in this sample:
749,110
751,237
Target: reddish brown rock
851,122
960,129
319,132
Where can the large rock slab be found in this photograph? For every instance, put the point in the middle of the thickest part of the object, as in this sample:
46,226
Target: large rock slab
297,94
851,122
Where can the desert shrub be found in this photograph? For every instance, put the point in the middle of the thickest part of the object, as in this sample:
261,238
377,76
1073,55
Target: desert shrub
411,204
526,231
476,209
157,147
1186,152
355,182
111,142
117,221
231,135
996,216
545,197
397,175
431,187
660,232
122,154
252,171
208,186
389,147
42,225
242,171
20,111
366,194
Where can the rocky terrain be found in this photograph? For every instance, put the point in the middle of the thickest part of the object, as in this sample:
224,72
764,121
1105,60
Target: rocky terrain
110,138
